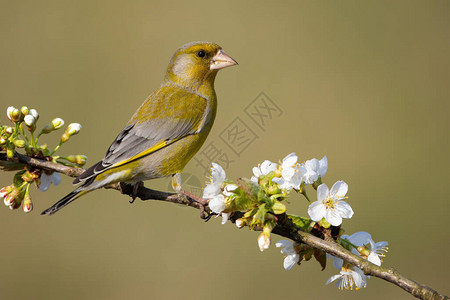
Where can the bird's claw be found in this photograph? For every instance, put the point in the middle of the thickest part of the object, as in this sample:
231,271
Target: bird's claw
136,187
205,212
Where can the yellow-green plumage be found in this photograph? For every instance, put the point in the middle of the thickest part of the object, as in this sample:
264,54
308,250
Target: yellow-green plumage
167,129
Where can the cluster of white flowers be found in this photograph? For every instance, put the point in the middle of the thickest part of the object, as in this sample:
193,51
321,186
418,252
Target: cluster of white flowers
213,191
329,209
349,277
362,244
290,174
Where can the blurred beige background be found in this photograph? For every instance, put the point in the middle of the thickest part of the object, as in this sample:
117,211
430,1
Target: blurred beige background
366,84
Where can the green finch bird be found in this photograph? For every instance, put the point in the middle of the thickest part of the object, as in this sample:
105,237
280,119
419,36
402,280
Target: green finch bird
167,130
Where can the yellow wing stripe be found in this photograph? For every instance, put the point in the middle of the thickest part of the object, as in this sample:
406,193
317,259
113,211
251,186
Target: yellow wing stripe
142,154
149,151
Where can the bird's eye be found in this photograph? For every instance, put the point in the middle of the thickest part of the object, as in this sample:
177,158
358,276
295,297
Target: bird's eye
201,53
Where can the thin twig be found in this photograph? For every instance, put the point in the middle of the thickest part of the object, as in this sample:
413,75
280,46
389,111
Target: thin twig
284,228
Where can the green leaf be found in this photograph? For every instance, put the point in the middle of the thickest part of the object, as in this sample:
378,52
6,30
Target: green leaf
18,180
259,217
300,222
321,257
248,187
324,223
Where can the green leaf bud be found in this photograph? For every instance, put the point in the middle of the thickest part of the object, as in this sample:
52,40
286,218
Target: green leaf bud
278,208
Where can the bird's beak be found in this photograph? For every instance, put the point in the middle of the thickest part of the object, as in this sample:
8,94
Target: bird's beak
221,60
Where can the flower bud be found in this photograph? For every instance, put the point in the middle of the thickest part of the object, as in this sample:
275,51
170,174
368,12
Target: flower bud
363,251
55,124
81,160
24,110
263,181
264,241
9,130
2,141
240,223
274,189
10,151
14,205
278,171
15,115
27,207
9,200
19,143
4,191
72,129
30,121
27,204
34,113
9,112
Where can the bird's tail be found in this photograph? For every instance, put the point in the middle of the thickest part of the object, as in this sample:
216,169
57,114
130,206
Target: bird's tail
78,192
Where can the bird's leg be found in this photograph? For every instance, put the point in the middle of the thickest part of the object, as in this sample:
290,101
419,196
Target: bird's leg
177,186
136,187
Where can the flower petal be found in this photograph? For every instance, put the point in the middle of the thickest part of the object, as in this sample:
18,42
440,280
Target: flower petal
45,182
373,258
217,173
344,209
333,217
284,243
229,188
211,190
217,203
56,178
225,217
290,261
360,238
339,189
257,171
289,160
333,278
267,166
322,192
317,211
323,166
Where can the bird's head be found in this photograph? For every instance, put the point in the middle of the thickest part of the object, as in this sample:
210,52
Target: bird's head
195,65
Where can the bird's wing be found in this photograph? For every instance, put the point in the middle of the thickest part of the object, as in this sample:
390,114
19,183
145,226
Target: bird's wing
165,117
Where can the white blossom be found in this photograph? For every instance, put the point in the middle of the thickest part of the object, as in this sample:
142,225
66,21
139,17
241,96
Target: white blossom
314,169
291,173
265,168
291,256
376,250
46,180
213,191
329,204
347,279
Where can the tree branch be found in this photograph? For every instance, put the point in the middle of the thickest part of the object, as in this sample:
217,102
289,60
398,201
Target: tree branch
284,227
